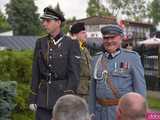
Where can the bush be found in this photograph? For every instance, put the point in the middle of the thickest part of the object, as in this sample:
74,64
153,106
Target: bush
16,66
25,115
7,101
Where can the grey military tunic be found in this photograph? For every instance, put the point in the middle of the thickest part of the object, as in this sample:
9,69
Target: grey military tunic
127,74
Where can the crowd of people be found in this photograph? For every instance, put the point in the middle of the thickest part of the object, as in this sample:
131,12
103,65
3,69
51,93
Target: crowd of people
69,84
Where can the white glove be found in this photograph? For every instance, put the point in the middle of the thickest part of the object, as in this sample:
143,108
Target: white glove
33,107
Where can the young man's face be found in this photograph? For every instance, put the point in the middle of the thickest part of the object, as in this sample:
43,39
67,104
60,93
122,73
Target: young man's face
51,25
111,43
82,35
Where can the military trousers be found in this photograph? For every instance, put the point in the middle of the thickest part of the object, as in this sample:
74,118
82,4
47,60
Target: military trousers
43,114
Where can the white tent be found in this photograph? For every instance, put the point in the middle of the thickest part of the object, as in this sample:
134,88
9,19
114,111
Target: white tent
151,41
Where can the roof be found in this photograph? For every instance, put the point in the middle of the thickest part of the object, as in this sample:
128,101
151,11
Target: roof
97,20
100,20
133,23
18,42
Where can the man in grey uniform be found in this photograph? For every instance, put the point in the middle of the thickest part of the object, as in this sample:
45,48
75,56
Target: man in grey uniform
56,66
116,71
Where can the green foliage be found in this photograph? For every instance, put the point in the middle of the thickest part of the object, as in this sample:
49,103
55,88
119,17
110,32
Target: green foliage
135,10
16,65
96,9
25,115
4,25
22,97
67,23
154,11
65,28
23,17
132,9
116,5
7,101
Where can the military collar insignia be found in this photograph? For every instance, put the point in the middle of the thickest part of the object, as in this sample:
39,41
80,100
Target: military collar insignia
59,45
82,45
112,55
56,41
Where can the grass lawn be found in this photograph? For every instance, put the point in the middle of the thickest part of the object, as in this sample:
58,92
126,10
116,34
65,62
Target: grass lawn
153,103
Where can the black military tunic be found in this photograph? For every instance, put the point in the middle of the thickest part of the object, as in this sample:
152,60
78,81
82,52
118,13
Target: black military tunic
55,70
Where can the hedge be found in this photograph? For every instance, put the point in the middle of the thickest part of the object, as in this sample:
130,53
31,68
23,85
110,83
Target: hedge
7,99
16,66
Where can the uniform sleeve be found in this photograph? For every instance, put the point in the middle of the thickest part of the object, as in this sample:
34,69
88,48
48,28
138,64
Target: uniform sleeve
35,76
139,83
73,67
89,59
92,96
92,92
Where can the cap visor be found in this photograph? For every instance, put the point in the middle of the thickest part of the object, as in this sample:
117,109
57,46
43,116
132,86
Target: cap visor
110,35
45,16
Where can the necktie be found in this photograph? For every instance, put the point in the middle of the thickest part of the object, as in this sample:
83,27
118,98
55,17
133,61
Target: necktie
110,56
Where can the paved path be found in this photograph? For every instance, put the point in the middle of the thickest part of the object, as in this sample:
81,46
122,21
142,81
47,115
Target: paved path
155,94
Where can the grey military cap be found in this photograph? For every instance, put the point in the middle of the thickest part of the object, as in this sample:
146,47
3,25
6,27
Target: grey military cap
111,30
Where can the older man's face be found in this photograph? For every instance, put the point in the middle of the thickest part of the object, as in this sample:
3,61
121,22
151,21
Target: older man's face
111,43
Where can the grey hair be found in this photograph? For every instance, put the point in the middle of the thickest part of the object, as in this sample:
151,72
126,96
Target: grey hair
70,107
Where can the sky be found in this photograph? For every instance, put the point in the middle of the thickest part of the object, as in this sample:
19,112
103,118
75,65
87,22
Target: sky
70,8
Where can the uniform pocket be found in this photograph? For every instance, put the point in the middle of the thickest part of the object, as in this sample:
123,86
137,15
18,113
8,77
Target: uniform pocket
121,73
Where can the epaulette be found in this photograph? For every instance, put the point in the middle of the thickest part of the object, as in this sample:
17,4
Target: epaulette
130,51
41,37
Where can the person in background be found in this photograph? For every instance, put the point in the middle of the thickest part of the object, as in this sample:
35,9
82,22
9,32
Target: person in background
56,66
116,71
71,107
79,34
132,106
128,46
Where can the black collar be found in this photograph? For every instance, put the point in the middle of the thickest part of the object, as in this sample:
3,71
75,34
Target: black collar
112,55
57,36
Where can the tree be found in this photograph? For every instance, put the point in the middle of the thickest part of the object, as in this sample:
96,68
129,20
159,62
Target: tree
96,9
115,6
23,17
4,25
133,9
154,11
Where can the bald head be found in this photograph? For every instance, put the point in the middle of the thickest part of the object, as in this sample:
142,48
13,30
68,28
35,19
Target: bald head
132,105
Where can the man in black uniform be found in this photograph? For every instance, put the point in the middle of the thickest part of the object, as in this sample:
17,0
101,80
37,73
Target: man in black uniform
56,66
